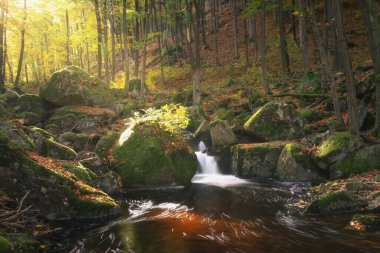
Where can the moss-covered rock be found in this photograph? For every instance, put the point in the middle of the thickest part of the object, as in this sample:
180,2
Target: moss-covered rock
239,121
54,190
256,160
361,161
274,122
295,165
134,84
224,114
336,148
366,222
74,86
148,156
5,245
77,141
31,103
106,143
331,203
48,147
84,119
222,134
81,173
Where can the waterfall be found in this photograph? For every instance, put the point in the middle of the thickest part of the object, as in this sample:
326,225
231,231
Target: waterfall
207,164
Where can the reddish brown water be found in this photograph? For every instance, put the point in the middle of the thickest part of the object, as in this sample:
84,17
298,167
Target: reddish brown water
223,214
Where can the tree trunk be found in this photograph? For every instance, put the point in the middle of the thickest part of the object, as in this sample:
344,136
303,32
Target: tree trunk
283,45
303,36
67,38
105,31
263,49
146,27
247,65
22,48
137,38
371,14
2,51
326,66
100,42
125,39
216,29
234,13
113,46
350,82
158,29
26,73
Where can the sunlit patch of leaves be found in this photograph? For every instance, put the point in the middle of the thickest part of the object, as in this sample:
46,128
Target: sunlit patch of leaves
172,117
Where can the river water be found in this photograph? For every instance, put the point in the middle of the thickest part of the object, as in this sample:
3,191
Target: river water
221,213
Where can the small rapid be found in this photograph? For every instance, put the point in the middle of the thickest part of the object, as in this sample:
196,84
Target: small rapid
207,163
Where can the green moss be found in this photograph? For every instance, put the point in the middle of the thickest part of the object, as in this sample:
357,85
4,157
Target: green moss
366,222
331,202
82,173
74,137
150,156
106,143
353,164
224,114
218,122
5,246
306,114
21,243
336,143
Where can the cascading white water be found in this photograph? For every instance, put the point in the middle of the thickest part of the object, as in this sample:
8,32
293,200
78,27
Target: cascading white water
208,164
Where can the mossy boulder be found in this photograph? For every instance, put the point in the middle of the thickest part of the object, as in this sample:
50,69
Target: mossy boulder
54,190
361,161
49,147
239,121
17,137
224,114
366,222
5,245
334,202
31,103
148,156
256,160
110,183
77,141
106,143
74,86
336,148
274,122
295,165
83,119
222,134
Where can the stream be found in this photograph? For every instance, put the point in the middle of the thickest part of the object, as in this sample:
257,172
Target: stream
221,213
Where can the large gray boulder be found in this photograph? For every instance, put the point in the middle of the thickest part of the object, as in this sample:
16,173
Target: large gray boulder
295,165
336,148
74,86
222,134
256,160
274,122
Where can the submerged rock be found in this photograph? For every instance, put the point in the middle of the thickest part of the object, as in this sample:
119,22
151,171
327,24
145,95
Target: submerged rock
222,134
274,122
332,203
74,86
148,156
295,165
366,222
256,160
336,148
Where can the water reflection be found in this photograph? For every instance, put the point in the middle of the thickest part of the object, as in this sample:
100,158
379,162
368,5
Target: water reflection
223,216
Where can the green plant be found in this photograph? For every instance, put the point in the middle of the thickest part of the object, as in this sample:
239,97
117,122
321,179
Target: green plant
172,117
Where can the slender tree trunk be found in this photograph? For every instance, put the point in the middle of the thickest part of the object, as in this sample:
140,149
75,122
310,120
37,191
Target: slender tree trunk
100,42
158,29
350,82
137,38
325,45
113,45
105,45
294,24
247,65
203,23
303,36
285,66
326,66
338,64
371,14
254,40
26,73
2,51
216,29
234,14
22,48
263,50
67,38
125,39
11,77
142,88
